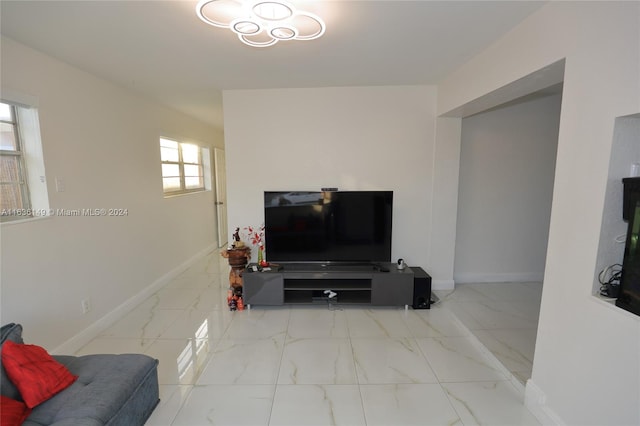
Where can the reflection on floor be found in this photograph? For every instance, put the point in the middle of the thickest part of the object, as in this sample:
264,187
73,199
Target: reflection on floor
313,365
504,317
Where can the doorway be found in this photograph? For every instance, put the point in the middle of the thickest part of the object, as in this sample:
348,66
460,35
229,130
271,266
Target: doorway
507,168
221,196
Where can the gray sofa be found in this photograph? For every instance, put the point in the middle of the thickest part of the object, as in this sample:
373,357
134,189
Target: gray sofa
110,390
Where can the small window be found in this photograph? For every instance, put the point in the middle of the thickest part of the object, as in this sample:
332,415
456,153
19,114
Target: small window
14,188
182,167
23,183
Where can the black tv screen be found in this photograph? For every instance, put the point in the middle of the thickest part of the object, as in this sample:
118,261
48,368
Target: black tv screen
629,298
341,226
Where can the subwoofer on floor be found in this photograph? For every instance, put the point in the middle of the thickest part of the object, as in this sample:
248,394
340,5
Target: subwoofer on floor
421,289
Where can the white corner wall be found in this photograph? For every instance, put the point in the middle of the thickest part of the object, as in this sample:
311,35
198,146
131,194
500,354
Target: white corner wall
102,141
354,138
587,362
507,164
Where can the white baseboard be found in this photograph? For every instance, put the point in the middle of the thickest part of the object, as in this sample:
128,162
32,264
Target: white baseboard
467,278
442,284
85,336
536,401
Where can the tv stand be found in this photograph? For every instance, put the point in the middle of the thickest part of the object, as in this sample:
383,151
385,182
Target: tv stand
380,284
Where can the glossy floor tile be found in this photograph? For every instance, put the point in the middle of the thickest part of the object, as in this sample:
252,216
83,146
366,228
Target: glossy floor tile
488,403
503,317
408,404
330,365
249,361
298,405
248,405
391,360
317,361
456,359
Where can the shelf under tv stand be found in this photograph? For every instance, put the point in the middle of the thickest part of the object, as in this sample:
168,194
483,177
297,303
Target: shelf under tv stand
375,284
311,290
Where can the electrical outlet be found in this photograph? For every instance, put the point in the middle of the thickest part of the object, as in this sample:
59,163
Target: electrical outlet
86,306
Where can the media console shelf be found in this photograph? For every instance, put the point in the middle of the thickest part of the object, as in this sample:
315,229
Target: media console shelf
379,284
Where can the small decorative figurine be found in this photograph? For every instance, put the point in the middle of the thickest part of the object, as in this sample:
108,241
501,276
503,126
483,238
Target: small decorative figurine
238,295
236,239
234,299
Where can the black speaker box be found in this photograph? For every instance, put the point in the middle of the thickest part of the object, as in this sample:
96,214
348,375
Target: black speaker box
421,289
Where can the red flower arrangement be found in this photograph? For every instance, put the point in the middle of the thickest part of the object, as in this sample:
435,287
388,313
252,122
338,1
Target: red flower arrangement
255,235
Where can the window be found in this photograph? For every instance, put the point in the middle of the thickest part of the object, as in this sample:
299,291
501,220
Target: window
23,185
14,189
182,167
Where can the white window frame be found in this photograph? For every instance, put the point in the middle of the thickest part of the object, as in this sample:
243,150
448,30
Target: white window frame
32,175
202,164
18,153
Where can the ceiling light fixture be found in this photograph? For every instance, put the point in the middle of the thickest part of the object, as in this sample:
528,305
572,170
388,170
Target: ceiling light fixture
261,23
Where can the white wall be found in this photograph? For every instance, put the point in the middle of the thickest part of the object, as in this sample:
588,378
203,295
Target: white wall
507,165
103,142
365,138
587,361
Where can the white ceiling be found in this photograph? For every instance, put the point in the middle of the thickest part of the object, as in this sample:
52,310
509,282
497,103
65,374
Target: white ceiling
162,50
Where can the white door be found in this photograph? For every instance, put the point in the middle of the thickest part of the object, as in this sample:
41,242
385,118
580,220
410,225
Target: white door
221,196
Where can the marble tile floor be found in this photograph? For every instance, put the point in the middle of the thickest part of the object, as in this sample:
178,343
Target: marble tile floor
310,365
503,316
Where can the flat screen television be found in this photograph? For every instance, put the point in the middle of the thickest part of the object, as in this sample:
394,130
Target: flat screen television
629,297
328,227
